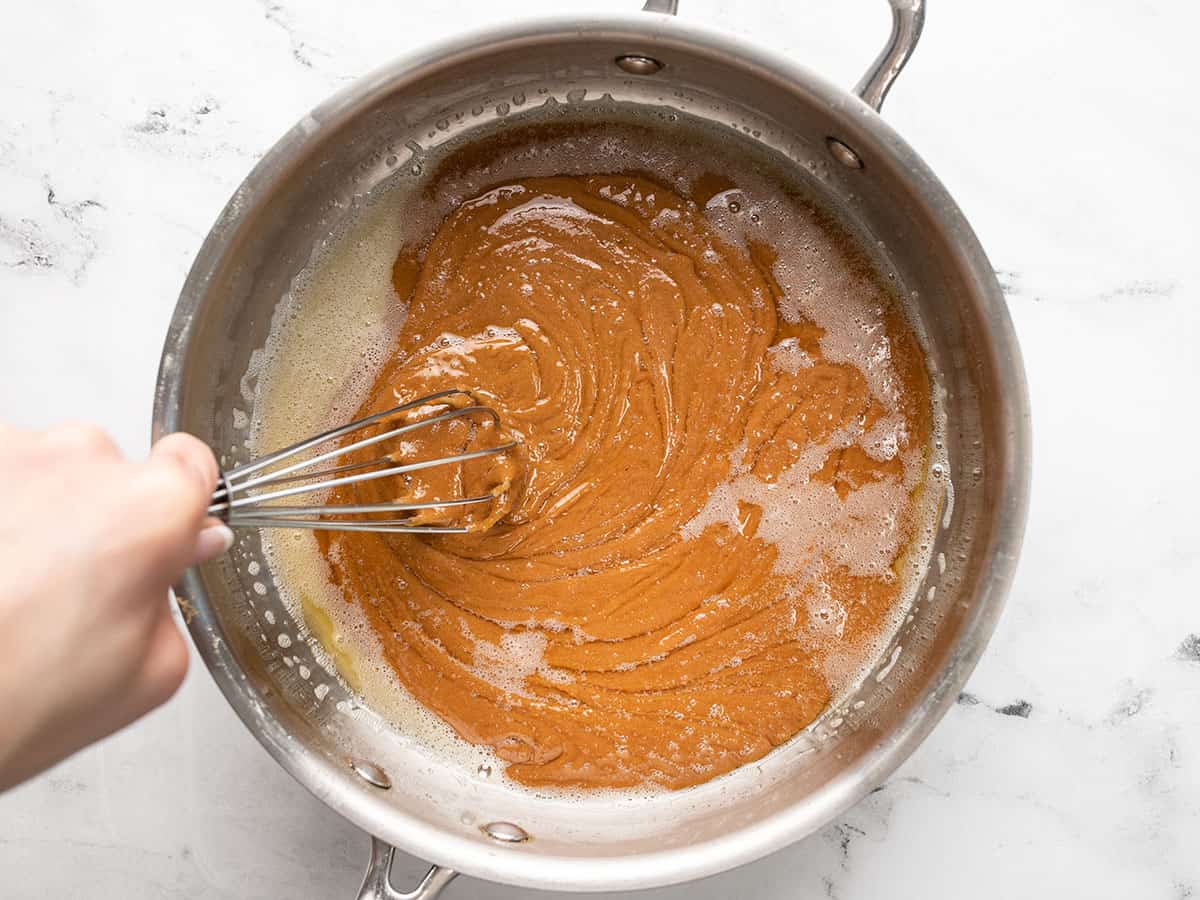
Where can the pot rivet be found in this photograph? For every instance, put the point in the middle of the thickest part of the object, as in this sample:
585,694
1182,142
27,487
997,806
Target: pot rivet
505,832
370,773
638,65
844,154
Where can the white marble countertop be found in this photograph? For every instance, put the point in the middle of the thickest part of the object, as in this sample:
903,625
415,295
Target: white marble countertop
1066,130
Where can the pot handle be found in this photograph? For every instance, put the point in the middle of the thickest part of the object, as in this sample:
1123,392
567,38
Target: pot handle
377,882
908,18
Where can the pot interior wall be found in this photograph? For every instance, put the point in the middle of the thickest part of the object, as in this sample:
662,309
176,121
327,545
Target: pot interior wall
266,237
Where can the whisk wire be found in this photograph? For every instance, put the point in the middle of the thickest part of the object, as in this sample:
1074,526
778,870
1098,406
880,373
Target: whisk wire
233,503
273,512
356,479
257,465
385,526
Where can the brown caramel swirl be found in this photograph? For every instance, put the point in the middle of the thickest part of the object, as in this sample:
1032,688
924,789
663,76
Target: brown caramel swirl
698,521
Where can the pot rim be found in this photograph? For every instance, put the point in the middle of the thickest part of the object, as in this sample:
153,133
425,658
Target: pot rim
511,865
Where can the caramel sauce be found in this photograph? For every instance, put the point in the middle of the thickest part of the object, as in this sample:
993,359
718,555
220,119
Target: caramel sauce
702,529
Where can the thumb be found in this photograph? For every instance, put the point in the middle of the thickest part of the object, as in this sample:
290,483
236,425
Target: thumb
195,458
191,454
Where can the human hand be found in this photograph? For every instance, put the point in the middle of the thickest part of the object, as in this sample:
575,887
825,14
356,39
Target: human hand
89,545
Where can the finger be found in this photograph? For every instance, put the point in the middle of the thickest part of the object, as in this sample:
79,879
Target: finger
79,437
214,539
167,502
192,454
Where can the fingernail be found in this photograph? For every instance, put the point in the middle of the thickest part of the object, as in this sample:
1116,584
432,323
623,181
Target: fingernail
212,542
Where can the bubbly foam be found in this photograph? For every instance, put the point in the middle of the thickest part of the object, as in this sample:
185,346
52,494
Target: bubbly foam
519,655
787,356
822,287
806,520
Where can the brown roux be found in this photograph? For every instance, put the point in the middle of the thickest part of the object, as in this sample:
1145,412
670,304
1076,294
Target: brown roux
618,626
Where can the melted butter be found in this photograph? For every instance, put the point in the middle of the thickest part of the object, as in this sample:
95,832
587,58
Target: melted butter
707,530
322,626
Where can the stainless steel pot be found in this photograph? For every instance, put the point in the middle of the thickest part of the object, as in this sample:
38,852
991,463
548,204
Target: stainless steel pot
304,185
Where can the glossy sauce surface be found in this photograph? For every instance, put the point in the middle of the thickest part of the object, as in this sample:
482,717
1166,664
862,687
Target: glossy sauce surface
706,527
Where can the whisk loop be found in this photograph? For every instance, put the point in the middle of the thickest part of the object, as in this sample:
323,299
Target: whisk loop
233,503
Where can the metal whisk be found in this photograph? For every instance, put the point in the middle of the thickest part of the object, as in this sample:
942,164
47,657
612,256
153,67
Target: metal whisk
233,502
